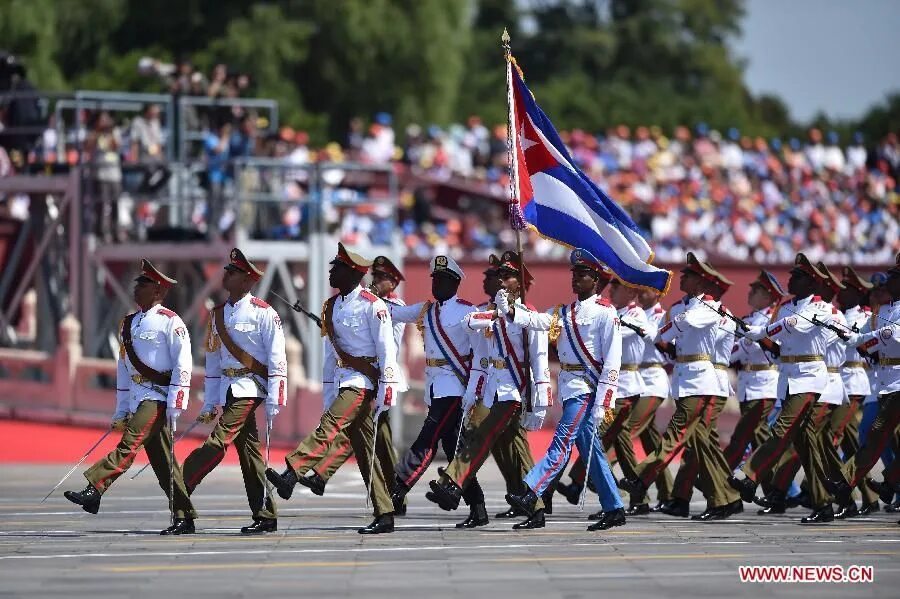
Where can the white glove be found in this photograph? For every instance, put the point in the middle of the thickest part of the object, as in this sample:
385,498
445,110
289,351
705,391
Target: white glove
532,421
385,397
502,302
603,401
172,414
271,411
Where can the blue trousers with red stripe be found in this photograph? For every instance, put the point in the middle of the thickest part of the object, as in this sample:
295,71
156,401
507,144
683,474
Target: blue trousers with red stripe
575,427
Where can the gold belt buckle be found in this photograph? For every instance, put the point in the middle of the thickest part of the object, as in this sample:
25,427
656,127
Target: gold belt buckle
136,378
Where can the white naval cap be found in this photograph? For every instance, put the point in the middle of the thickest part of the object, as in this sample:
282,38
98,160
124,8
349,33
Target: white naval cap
446,265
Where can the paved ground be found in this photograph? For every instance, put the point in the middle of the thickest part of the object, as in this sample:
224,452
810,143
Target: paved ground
56,550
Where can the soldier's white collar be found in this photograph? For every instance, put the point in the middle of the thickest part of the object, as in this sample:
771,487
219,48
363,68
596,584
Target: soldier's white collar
578,302
446,301
353,294
240,301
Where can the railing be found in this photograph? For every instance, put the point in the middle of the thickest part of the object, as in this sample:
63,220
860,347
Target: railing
65,386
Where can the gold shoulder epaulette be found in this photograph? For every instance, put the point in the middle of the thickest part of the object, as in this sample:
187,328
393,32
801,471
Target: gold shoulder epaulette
420,319
212,340
555,326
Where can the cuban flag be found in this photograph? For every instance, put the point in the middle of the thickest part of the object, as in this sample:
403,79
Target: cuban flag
563,204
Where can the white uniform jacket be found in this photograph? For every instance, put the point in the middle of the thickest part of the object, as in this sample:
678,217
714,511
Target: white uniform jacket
447,343
589,345
802,344
853,372
161,341
758,377
363,329
506,343
255,327
633,345
656,379
694,332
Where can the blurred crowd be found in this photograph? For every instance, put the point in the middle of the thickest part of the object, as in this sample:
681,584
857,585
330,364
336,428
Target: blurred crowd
725,194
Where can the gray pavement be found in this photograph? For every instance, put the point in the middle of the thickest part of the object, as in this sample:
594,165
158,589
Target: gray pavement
56,550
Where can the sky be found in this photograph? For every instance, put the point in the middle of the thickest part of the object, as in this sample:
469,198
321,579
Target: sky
840,56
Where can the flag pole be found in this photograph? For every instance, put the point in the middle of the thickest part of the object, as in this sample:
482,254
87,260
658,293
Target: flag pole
516,218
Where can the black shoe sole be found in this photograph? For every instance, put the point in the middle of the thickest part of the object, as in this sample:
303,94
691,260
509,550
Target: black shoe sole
467,524
284,489
316,489
370,531
516,502
606,525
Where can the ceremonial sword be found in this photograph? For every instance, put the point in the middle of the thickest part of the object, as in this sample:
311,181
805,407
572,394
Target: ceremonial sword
83,458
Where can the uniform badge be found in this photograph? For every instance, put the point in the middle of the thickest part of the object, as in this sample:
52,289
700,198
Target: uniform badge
185,377
277,321
388,373
791,321
612,376
887,333
485,362
441,261
382,315
180,332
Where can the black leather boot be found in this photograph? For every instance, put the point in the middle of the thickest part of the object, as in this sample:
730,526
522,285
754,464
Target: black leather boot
446,494
526,502
535,520
260,526
840,489
477,517
572,492
772,498
380,525
820,515
512,512
885,491
284,482
313,482
182,526
547,498
869,508
847,511
659,505
635,486
744,486
774,509
88,499
710,513
609,520
638,509
680,508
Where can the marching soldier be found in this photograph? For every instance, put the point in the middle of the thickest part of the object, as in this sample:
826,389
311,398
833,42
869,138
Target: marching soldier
153,377
798,327
505,390
845,418
822,453
385,279
883,341
757,376
589,344
694,329
361,362
246,367
642,421
447,360
704,443
634,330
510,456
